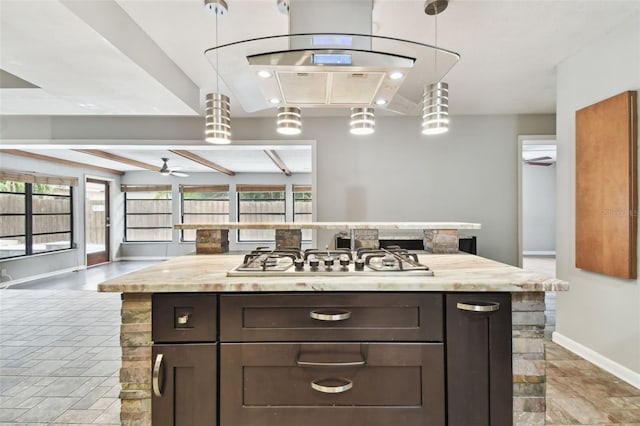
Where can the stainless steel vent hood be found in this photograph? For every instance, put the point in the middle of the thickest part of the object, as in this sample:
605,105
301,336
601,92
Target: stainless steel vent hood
330,59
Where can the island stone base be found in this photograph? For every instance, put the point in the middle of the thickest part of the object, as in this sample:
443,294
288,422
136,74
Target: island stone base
529,372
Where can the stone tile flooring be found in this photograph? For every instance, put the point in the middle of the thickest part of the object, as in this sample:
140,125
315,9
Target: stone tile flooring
60,354
59,357
579,393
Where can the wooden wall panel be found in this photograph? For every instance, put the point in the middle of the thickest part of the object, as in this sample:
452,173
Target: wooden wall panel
606,186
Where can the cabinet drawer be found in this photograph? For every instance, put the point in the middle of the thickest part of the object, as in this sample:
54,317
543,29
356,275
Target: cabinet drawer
331,317
184,317
316,384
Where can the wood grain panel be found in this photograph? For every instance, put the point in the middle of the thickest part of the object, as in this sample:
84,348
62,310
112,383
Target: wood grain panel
606,193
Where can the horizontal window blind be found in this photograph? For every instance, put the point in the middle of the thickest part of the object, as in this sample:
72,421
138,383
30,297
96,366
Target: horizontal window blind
301,188
259,188
204,188
144,188
28,177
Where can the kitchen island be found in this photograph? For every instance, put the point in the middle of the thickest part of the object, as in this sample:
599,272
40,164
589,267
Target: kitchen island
251,332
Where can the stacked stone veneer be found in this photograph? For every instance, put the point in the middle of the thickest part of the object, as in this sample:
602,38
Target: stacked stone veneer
441,241
135,373
212,241
529,373
287,238
529,369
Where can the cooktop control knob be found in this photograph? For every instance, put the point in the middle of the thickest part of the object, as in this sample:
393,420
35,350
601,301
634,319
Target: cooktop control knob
314,263
328,262
299,264
344,262
359,264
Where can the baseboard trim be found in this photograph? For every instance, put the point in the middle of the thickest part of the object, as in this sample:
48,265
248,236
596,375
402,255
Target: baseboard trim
143,258
8,284
601,361
539,253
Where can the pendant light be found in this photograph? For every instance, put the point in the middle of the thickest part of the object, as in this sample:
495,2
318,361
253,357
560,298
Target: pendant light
435,98
435,110
363,121
217,106
289,121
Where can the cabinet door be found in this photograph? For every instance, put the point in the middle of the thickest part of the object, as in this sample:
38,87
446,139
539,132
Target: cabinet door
479,374
184,384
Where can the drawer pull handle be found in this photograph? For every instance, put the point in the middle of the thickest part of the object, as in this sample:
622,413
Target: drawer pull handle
331,364
330,315
158,376
325,388
478,306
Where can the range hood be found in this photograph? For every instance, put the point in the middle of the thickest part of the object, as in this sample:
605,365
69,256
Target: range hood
334,68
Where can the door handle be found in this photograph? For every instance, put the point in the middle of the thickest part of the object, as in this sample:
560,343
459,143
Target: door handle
157,381
345,385
478,306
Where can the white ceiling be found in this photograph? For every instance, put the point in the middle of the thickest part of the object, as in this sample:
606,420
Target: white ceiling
146,57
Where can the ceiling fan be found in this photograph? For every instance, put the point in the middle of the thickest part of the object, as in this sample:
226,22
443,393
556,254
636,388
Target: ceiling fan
166,171
540,161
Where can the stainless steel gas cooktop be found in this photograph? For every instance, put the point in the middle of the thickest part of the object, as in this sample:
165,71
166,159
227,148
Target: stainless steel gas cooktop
340,262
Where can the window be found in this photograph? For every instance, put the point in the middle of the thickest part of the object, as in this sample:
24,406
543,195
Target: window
147,212
302,208
36,213
203,204
260,203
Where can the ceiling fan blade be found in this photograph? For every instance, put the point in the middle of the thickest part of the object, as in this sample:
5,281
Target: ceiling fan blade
179,174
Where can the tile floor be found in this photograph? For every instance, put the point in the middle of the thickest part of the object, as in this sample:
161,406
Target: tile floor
59,359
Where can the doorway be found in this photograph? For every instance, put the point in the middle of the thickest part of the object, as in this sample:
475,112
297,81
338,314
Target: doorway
97,221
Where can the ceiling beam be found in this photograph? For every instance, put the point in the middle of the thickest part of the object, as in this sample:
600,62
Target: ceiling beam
60,161
119,159
201,160
278,161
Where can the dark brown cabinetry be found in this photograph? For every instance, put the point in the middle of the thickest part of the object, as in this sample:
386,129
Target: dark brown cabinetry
341,384
184,384
345,359
184,370
479,378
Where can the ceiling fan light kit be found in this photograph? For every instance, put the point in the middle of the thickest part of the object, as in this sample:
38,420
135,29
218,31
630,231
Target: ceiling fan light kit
351,69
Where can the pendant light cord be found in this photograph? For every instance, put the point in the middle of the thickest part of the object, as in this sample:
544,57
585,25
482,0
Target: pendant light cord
217,60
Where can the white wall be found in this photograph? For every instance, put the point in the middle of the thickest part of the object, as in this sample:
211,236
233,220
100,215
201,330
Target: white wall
538,209
600,316
397,174
73,259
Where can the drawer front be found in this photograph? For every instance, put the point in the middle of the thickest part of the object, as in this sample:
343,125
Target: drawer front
331,317
184,317
377,384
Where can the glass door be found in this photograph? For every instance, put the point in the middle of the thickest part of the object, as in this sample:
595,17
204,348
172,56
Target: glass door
97,221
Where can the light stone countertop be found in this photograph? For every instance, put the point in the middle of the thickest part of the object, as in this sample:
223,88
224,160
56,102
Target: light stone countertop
452,272
331,225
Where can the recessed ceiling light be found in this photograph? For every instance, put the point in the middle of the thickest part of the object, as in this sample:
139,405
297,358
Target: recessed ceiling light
264,74
381,102
274,101
397,75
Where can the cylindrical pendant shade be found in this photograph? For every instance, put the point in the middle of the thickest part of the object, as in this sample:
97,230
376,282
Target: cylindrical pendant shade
218,119
289,121
363,121
435,110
